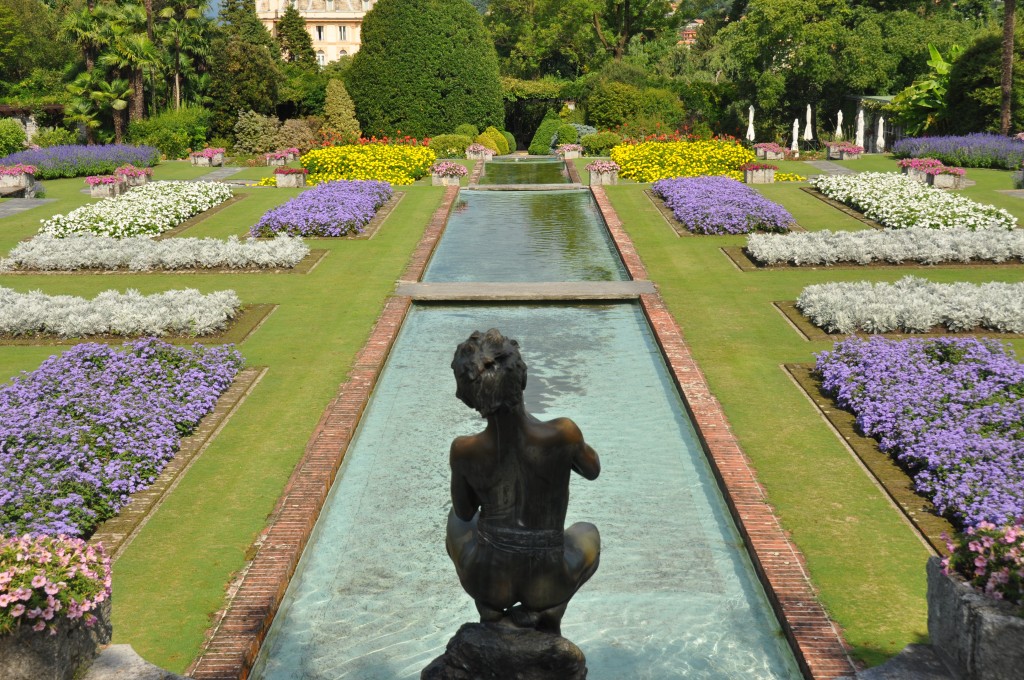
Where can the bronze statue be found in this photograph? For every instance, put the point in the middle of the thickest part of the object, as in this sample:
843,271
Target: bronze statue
510,490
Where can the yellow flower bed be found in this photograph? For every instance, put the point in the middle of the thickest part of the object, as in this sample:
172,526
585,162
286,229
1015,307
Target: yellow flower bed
788,177
397,164
651,161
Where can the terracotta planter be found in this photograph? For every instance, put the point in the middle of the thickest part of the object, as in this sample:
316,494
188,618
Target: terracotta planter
759,176
279,162
944,181
444,181
21,180
977,637
107,190
291,180
600,178
28,655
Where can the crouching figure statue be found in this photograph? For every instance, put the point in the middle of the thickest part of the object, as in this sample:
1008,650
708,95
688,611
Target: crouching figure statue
510,490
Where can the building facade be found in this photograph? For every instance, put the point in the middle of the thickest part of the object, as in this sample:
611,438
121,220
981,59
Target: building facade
334,25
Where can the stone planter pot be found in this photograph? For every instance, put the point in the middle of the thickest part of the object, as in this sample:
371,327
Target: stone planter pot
107,190
481,156
759,176
834,154
278,162
28,655
21,180
444,181
290,157
975,636
291,180
1018,179
774,156
847,156
760,154
135,181
570,155
217,160
915,174
600,178
944,181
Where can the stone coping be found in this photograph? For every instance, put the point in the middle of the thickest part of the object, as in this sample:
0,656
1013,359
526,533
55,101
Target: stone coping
249,318
678,227
233,642
304,266
574,174
476,173
524,187
118,532
802,325
525,292
894,481
739,256
238,630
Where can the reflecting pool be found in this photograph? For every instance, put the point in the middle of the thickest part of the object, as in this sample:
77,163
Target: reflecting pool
530,170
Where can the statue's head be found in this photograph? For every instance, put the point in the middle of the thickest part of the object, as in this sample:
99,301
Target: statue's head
489,372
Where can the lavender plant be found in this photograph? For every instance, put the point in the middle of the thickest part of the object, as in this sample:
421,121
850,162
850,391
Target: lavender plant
913,305
978,150
927,246
949,410
97,423
78,160
179,312
141,253
330,209
720,205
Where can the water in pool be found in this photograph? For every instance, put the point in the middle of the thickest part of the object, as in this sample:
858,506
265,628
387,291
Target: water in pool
525,236
375,596
525,171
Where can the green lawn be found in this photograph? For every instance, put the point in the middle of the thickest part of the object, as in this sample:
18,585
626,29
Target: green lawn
866,562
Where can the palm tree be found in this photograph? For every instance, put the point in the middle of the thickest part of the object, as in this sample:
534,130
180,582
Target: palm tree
83,108
183,36
1006,84
136,54
113,96
87,30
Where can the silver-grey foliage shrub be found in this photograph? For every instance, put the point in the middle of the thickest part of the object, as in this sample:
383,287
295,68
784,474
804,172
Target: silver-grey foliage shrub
913,305
927,246
140,253
177,312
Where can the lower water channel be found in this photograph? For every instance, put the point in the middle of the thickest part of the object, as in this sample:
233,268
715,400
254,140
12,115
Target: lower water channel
375,596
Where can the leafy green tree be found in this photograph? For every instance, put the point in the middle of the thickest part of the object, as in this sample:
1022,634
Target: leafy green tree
112,97
622,20
26,30
975,99
424,67
184,34
339,111
295,41
535,38
921,107
86,29
1006,65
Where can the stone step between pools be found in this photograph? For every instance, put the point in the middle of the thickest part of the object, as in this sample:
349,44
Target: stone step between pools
524,292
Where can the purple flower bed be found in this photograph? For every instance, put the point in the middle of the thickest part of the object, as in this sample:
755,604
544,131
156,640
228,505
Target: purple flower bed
89,427
78,160
949,410
978,150
331,209
720,205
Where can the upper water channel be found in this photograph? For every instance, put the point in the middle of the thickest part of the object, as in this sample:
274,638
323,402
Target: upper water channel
375,596
528,170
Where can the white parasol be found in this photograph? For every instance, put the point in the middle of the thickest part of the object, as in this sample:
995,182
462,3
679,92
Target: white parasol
880,139
750,124
839,126
860,128
796,133
808,132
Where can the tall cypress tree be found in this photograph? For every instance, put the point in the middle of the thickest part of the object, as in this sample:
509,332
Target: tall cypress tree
424,67
292,36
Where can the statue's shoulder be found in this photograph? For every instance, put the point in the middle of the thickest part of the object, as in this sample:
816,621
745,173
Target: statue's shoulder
466,446
566,430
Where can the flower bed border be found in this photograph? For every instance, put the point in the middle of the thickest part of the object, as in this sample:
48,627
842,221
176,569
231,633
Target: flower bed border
369,232
304,266
248,320
897,484
119,531
808,331
745,263
843,208
682,231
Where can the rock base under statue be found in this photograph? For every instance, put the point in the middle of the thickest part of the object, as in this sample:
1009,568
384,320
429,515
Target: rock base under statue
487,651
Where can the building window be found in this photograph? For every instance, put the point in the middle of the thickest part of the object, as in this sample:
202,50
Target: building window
320,33
366,5
330,5
321,58
343,53
343,32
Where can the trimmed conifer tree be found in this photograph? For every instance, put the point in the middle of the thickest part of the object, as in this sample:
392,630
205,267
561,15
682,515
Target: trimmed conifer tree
339,111
424,67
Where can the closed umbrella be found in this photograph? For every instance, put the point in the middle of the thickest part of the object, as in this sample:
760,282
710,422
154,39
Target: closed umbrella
860,127
839,126
796,133
880,139
808,132
750,124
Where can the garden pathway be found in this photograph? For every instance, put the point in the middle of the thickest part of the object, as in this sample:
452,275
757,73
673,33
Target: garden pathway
13,206
830,168
218,174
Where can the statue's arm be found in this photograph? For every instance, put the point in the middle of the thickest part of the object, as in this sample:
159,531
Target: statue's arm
585,461
465,502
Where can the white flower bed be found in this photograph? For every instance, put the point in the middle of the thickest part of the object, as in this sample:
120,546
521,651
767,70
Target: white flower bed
150,209
141,253
179,312
927,246
898,202
914,305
